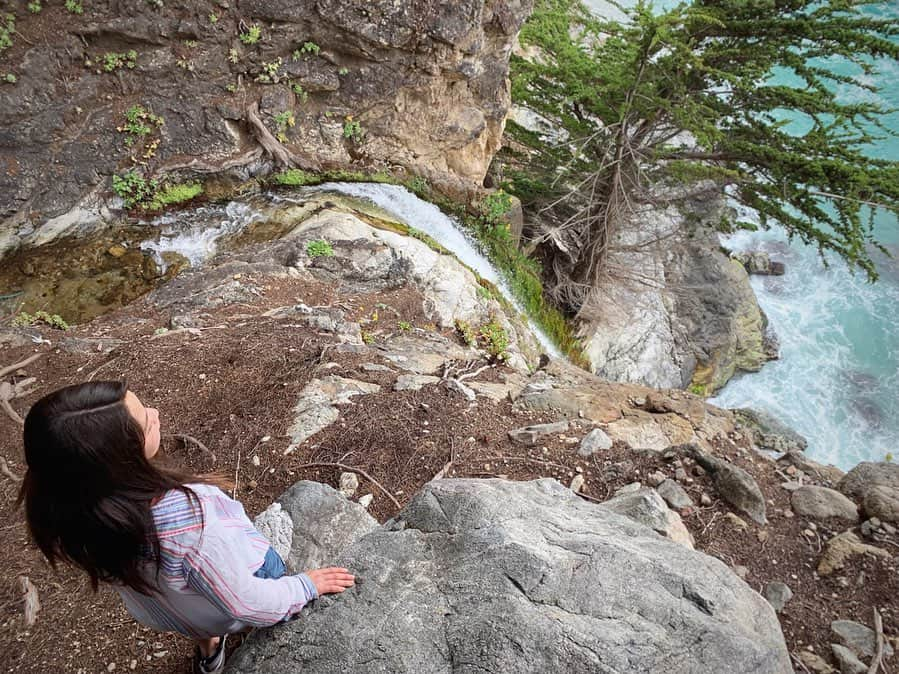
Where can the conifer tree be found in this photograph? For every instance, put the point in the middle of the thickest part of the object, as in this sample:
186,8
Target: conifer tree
689,95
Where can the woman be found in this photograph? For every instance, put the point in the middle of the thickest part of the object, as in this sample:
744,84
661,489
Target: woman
184,557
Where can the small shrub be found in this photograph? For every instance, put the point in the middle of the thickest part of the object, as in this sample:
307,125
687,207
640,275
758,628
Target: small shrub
494,339
270,70
74,6
405,326
139,126
113,61
319,248
34,7
251,35
300,92
469,336
352,130
133,188
295,178
367,337
285,120
23,320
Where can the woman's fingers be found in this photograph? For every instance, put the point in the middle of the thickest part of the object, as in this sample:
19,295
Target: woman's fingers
331,580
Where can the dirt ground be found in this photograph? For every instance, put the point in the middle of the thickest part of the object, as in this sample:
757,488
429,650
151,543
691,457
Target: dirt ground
233,389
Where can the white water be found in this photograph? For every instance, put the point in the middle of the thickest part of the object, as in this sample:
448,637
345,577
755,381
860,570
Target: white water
196,233
427,218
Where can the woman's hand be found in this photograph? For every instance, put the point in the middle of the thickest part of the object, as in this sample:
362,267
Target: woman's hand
331,580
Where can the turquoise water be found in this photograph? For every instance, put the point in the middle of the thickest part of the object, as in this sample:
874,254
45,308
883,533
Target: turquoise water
837,381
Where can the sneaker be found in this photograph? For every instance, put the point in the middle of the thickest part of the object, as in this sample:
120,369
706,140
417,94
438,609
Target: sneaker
214,663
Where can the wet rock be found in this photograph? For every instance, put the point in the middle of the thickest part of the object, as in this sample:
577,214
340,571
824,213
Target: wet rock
325,524
595,441
674,495
849,663
531,435
759,263
733,484
841,548
821,503
883,503
867,475
482,571
860,639
778,594
277,526
647,507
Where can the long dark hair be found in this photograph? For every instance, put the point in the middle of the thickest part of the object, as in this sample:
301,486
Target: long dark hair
89,486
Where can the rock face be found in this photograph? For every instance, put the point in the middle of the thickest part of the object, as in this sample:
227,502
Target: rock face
426,83
690,315
523,577
769,433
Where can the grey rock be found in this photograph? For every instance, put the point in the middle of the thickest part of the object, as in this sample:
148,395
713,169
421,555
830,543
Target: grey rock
414,382
325,524
647,507
628,489
791,486
883,503
674,495
769,433
860,639
843,547
825,473
531,435
577,483
457,386
733,484
595,441
315,408
366,500
849,663
277,526
656,478
348,483
867,475
821,503
759,263
88,345
778,594
492,576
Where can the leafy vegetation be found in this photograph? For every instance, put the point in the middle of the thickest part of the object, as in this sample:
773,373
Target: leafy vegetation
405,326
134,188
74,7
352,129
34,7
112,61
308,48
140,128
623,94
251,34
24,320
7,28
270,71
319,248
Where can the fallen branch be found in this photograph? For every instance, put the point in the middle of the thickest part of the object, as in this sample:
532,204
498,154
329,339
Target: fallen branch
189,439
32,602
877,661
18,366
463,377
6,470
11,413
354,470
588,498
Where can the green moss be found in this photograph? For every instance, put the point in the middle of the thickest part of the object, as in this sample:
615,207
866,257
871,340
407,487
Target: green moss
319,248
251,35
23,320
174,193
295,178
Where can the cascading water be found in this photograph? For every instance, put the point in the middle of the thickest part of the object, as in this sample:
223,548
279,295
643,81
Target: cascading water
196,234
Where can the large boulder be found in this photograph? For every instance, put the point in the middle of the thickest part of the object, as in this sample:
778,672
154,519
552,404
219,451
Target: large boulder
821,503
497,576
867,475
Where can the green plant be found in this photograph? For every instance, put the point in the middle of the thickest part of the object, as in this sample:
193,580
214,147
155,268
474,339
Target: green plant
133,188
190,44
185,64
284,120
405,326
24,320
495,340
139,125
7,28
156,4
300,92
484,293
233,55
319,248
213,18
232,87
251,35
469,336
888,457
9,78
35,7
698,390
114,60
367,337
418,186
75,6
307,48
270,71
173,193
343,71
295,178
352,129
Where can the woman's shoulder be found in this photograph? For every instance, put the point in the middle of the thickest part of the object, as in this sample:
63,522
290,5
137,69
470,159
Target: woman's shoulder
180,510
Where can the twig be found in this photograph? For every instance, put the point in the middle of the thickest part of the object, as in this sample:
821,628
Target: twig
32,602
355,470
529,460
191,439
877,662
463,377
4,403
17,366
236,476
5,469
442,472
93,374
589,498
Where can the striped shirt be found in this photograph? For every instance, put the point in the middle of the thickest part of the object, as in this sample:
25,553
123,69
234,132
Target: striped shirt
209,552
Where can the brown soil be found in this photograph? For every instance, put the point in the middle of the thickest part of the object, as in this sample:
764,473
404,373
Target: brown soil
231,388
